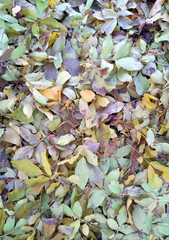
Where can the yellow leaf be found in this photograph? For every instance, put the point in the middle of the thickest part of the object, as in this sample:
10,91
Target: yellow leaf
27,167
52,37
74,179
140,159
33,181
129,179
146,101
149,153
163,169
87,95
52,93
102,101
154,180
31,237
46,164
164,128
52,187
52,2
138,137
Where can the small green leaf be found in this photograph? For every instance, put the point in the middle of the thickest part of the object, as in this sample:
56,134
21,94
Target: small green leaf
54,124
89,3
66,139
112,224
29,13
114,187
53,23
91,157
17,194
41,5
107,47
9,225
77,209
141,83
39,97
96,199
17,52
83,172
75,225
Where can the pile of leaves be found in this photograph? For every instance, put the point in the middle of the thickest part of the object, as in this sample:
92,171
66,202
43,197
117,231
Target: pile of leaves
84,126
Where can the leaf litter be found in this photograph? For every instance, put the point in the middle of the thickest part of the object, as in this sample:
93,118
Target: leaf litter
84,127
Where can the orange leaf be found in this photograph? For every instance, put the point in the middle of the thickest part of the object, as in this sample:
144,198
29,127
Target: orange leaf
87,95
52,93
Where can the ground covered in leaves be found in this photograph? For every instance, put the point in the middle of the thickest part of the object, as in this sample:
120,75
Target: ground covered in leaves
84,126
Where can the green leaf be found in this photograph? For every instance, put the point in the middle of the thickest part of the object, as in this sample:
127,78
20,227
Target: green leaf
67,211
27,167
89,3
53,23
54,124
19,115
57,210
17,52
142,84
41,5
39,56
75,225
112,224
123,51
35,30
91,157
150,137
9,225
39,97
164,36
123,75
77,209
129,63
96,199
29,13
114,187
163,228
107,47
17,194
66,139
162,147
122,215
2,220
6,105
83,172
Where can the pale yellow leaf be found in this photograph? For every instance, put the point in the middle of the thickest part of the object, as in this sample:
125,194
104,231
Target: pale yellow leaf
27,109
74,179
46,164
154,180
102,101
52,187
